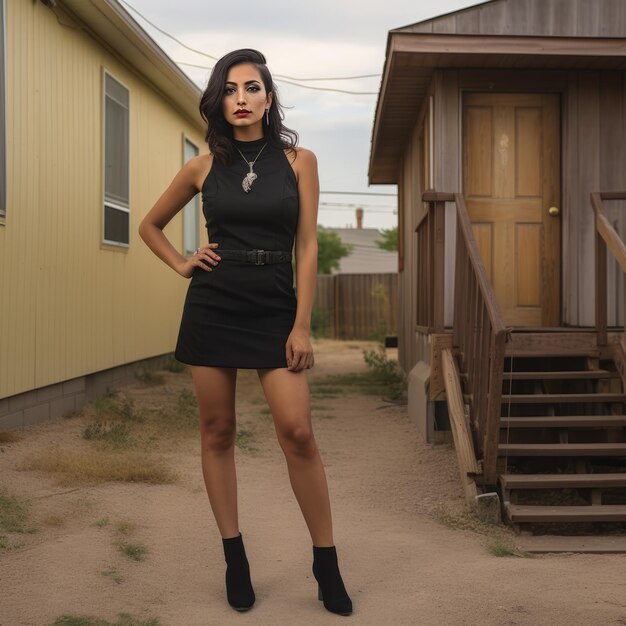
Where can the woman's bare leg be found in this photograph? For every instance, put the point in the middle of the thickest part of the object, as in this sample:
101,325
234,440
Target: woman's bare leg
215,391
287,393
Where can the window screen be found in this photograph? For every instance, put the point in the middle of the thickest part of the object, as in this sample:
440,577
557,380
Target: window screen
116,162
191,239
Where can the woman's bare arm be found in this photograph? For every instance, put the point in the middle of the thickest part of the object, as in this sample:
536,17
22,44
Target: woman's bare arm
181,190
306,236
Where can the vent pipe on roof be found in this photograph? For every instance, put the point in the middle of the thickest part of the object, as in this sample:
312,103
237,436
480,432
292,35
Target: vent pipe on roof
359,218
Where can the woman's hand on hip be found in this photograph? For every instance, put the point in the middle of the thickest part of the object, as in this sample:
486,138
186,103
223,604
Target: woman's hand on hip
201,257
299,351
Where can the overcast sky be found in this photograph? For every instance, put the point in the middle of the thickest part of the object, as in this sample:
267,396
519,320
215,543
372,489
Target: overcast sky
325,38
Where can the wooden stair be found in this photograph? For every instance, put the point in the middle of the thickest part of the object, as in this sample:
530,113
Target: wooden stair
562,446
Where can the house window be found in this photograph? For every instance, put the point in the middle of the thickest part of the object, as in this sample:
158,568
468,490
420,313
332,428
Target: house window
191,211
3,153
116,163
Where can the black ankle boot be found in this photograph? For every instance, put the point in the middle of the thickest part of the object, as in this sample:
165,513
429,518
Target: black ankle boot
330,585
238,585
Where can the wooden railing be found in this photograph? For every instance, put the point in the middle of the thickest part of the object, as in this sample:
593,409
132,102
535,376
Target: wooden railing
430,264
606,238
479,334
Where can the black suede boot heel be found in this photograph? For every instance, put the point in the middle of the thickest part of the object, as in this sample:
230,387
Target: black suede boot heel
331,589
238,585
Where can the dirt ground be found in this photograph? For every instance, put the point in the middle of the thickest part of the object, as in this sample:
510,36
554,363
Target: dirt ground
408,553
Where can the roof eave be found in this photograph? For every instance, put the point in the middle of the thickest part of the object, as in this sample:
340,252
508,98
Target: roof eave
114,28
458,51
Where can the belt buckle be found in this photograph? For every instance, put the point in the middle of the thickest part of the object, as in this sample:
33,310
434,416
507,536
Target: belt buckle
259,256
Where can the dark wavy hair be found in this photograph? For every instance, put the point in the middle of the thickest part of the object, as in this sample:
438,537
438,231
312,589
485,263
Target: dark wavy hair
219,132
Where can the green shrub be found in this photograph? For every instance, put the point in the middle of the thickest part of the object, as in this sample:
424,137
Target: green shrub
386,372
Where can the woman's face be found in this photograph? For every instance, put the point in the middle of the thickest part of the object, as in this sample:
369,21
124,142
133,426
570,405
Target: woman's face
244,90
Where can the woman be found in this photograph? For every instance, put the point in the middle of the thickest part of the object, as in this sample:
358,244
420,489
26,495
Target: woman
259,192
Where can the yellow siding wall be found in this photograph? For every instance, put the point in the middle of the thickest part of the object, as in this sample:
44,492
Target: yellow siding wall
70,305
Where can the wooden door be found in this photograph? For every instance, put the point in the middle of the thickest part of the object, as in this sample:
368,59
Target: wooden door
511,183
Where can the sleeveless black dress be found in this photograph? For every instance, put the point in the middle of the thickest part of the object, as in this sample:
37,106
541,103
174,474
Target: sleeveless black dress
240,314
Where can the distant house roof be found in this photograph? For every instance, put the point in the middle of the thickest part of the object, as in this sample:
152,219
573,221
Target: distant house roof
366,257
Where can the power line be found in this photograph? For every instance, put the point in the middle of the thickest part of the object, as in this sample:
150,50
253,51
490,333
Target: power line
358,206
281,80
179,42
361,193
331,208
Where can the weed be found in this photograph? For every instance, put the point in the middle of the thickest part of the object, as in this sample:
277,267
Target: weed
102,522
72,414
320,323
123,619
14,518
126,528
9,437
57,521
499,547
342,384
243,440
386,372
109,406
171,364
135,551
14,514
126,411
148,376
183,416
499,537
113,574
93,467
115,433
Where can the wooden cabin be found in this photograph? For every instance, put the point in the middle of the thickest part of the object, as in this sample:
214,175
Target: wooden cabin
504,127
95,120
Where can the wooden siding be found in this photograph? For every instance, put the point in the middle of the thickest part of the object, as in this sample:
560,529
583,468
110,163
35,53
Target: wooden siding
413,179
565,18
70,305
594,157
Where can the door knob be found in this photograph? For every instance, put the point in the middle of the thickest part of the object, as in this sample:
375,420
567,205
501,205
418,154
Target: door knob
553,211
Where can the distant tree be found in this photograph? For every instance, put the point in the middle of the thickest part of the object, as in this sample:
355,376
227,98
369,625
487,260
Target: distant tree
330,249
390,239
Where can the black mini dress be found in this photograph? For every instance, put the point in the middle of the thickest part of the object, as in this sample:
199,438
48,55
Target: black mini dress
240,314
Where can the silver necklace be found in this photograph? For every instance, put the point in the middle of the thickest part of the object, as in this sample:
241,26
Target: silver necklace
250,177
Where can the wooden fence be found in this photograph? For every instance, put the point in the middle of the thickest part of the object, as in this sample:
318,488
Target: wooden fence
355,306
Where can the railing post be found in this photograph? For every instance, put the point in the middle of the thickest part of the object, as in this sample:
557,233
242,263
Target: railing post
438,276
601,269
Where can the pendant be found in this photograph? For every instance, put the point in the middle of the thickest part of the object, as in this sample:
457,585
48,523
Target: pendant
249,179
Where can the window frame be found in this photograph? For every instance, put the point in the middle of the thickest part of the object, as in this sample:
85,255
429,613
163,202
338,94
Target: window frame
193,204
107,203
4,161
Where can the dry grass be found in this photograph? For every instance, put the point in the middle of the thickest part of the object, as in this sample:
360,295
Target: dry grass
124,619
9,437
76,467
500,539
15,519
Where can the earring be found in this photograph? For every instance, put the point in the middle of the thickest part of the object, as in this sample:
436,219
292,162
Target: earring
267,116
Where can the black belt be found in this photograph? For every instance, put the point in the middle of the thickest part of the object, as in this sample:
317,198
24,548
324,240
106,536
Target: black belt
256,256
